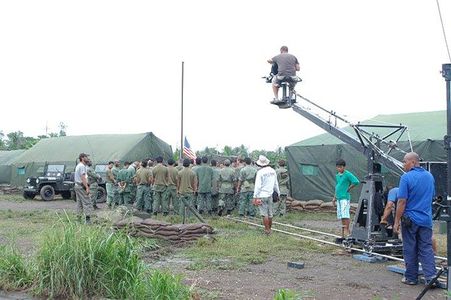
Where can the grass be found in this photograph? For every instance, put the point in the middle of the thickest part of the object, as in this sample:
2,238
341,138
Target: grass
15,271
237,245
76,261
287,294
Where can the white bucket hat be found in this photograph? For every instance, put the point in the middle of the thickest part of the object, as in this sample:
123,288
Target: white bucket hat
262,161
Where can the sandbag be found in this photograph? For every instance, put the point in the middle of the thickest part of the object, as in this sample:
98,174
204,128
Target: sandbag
314,203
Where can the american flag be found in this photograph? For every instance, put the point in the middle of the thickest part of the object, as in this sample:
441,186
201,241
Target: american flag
187,150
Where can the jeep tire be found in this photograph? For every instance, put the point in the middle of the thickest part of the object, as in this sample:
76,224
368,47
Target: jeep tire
29,195
47,193
66,195
101,194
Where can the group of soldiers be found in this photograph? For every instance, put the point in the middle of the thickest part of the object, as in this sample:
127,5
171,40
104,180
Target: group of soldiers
155,186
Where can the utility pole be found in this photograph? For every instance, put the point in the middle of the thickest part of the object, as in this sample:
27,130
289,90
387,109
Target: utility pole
181,117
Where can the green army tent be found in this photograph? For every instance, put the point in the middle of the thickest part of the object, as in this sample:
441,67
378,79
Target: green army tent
6,159
311,162
102,148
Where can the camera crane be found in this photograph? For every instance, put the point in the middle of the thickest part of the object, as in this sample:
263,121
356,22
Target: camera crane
367,231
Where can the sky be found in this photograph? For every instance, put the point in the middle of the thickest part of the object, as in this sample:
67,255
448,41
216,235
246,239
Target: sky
115,66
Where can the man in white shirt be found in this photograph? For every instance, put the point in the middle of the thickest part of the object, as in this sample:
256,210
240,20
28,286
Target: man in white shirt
265,185
81,188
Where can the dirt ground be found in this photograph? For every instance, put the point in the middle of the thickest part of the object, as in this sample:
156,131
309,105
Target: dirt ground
325,276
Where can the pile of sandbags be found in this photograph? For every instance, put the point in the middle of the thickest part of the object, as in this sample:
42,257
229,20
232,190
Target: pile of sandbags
6,189
159,229
313,205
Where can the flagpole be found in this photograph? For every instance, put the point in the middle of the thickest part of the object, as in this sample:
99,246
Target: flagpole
181,117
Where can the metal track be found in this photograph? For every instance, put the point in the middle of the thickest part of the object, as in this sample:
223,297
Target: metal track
323,233
317,239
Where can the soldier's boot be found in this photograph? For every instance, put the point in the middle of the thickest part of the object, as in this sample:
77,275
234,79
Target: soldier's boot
220,211
165,214
88,220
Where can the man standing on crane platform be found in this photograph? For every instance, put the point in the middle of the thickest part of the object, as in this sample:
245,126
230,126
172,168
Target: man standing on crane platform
287,65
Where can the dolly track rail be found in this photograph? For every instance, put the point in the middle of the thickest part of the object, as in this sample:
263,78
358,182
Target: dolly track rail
315,239
324,233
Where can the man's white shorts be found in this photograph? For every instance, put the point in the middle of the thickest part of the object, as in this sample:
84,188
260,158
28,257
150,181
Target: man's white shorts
343,208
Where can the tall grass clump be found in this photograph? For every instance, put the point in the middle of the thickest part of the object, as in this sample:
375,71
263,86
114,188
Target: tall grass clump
165,286
79,261
15,271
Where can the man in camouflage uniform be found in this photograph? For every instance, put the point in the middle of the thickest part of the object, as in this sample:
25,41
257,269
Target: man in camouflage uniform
125,181
204,175
246,188
226,188
171,189
186,187
132,169
143,179
198,162
115,170
215,187
280,207
160,176
238,164
93,181
110,181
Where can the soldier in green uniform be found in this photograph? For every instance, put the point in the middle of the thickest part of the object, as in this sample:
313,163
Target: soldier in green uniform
160,175
171,189
280,207
204,175
214,187
93,181
186,187
198,162
246,188
237,165
132,169
143,179
110,181
115,170
226,188
124,180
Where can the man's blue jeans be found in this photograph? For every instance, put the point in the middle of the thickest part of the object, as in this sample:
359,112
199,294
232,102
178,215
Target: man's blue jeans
417,247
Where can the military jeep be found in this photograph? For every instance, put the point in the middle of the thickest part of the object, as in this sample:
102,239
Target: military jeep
54,181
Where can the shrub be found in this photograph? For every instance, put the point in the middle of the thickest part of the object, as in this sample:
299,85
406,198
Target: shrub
15,271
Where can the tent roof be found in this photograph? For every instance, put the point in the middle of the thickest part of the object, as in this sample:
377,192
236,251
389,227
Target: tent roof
7,157
100,147
422,126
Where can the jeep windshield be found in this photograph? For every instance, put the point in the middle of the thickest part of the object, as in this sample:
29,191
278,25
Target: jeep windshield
101,168
53,170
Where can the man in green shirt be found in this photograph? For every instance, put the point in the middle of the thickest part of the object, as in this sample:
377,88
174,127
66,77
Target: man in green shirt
214,187
345,182
110,181
186,187
226,188
124,180
245,188
93,181
280,207
160,175
171,189
204,175
143,179
115,170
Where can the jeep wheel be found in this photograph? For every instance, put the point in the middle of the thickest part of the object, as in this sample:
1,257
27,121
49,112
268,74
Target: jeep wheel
47,192
101,194
66,195
29,195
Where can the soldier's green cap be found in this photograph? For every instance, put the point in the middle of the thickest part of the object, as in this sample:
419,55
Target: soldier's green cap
227,162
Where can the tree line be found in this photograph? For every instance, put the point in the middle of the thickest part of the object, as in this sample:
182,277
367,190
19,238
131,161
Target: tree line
240,151
17,140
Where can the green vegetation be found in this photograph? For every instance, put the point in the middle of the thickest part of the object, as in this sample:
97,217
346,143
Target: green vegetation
15,272
287,294
77,261
237,245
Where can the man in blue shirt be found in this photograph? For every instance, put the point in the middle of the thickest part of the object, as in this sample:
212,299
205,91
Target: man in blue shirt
392,198
414,211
